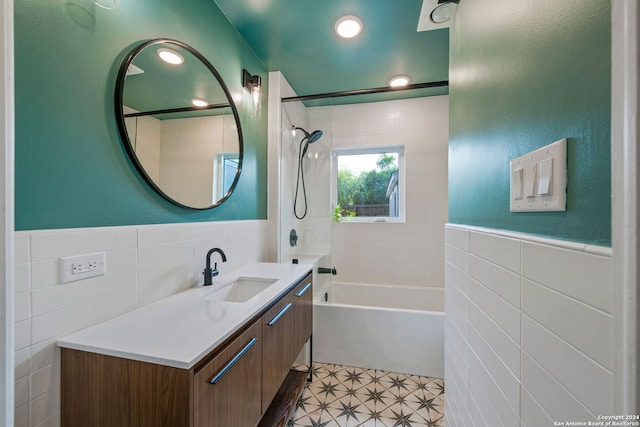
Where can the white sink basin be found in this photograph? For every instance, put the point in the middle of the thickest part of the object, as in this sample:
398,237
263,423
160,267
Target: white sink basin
242,289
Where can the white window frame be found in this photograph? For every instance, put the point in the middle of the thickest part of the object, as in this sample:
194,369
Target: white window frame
218,174
401,181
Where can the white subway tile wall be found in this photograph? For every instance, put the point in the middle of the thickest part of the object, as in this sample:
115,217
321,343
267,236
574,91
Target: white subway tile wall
144,264
528,330
409,253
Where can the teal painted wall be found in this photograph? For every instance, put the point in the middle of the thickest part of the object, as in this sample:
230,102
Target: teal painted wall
524,74
71,167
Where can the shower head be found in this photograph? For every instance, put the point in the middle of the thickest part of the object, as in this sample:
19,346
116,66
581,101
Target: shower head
310,137
315,135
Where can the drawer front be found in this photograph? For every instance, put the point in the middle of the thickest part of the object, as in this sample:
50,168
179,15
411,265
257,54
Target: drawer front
278,347
303,301
225,392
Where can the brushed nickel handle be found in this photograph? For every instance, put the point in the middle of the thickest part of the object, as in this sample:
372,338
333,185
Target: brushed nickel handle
233,361
279,315
303,290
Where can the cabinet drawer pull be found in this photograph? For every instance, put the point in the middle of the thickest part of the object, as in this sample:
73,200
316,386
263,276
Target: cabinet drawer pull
233,361
303,290
279,315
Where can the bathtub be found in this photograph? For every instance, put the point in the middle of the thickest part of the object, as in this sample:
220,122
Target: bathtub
392,328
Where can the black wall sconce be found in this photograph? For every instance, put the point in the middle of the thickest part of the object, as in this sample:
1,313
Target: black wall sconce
253,85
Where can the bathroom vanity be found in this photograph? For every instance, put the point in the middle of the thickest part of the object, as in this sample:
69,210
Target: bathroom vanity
219,356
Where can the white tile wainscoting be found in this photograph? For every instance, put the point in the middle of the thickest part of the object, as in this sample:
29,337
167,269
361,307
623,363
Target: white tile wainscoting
528,329
144,264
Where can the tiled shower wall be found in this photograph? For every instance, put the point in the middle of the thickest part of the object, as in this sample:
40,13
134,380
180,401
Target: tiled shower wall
144,264
411,252
528,330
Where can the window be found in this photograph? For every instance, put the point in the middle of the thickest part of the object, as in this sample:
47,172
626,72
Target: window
225,167
368,184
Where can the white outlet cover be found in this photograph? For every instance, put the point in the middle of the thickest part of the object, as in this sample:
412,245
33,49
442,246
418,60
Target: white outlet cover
67,273
531,164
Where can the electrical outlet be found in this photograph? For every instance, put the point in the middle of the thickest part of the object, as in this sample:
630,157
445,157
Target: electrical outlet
73,268
79,268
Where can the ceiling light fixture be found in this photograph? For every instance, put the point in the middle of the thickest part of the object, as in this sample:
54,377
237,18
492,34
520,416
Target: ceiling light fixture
399,81
199,102
349,26
170,56
442,12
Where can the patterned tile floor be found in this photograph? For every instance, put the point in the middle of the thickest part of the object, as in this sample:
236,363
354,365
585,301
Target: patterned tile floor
344,396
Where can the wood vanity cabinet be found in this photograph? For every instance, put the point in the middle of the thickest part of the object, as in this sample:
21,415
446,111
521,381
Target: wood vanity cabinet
234,386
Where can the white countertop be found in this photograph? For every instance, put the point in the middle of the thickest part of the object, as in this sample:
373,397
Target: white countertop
181,329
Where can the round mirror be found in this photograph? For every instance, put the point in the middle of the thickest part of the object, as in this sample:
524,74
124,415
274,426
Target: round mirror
179,124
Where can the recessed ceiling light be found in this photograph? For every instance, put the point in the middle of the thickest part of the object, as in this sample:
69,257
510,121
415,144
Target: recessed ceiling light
398,81
436,14
199,102
441,13
348,26
170,56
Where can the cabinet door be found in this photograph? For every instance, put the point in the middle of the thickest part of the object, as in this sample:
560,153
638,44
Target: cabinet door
303,302
278,347
226,391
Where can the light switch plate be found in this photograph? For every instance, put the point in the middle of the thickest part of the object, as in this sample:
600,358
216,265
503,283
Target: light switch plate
545,165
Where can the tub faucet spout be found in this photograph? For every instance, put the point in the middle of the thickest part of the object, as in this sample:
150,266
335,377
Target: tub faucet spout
210,273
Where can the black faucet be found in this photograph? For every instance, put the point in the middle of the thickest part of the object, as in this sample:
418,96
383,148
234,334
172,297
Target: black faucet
209,272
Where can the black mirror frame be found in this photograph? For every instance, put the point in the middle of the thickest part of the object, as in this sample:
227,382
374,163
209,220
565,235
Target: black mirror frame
119,89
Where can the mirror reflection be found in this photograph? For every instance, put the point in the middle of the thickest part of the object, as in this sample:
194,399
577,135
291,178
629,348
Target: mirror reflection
179,124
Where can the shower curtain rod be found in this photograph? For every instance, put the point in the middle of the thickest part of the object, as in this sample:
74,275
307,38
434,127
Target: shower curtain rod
176,110
365,91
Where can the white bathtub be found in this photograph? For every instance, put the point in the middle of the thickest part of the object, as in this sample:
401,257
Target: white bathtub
393,328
